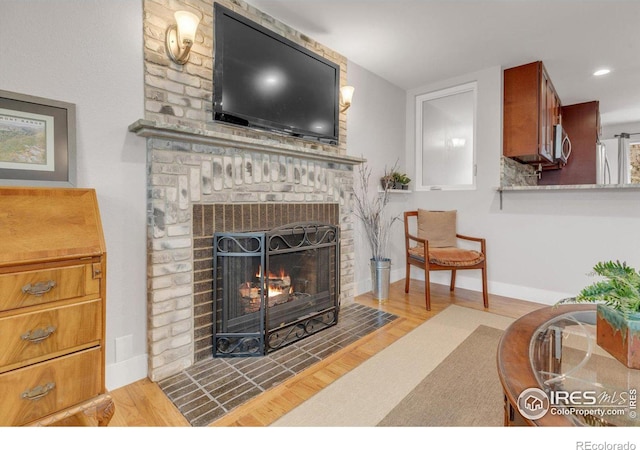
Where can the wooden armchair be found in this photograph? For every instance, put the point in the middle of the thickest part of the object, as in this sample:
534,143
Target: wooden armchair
435,248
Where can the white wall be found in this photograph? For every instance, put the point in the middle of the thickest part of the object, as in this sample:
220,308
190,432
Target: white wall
376,127
610,131
90,53
540,245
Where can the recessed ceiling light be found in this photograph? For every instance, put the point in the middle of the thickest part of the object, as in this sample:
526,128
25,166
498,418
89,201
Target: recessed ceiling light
599,73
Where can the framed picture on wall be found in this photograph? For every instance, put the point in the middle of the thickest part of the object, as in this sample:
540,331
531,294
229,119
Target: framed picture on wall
37,141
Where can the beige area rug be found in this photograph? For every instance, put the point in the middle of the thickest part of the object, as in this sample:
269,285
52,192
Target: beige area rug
370,392
463,391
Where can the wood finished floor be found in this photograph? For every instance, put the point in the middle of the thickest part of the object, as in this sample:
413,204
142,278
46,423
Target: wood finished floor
143,404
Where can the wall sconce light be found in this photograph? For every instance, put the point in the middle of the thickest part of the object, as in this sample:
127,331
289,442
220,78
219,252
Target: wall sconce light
180,36
346,95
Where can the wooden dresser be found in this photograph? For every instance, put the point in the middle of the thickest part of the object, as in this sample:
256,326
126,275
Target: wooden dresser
52,306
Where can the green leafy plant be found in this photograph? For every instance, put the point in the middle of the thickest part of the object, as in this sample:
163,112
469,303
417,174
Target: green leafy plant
619,290
401,178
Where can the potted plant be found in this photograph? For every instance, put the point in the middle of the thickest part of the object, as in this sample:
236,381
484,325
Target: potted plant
371,209
401,180
387,181
618,310
395,180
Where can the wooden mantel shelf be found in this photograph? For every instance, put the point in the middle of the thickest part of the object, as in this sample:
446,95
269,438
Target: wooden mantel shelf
153,129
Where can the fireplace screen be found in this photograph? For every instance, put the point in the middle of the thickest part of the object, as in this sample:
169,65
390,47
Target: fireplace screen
273,288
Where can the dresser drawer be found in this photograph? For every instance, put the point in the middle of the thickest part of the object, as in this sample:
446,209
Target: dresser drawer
28,338
33,392
36,287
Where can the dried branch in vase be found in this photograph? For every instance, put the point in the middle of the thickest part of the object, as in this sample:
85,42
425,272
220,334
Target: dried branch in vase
370,208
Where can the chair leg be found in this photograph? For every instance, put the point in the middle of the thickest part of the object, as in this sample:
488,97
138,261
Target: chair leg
427,289
485,294
407,278
453,280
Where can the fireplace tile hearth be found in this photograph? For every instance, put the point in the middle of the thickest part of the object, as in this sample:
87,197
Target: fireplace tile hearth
209,389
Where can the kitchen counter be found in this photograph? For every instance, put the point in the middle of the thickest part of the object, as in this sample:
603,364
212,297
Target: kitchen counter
567,187
564,187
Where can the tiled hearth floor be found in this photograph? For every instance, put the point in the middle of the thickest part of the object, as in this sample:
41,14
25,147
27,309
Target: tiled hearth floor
209,389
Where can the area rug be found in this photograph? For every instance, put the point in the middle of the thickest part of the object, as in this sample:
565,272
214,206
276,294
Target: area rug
464,390
368,394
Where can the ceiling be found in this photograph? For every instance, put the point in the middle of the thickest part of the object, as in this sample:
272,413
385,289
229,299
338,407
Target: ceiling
412,43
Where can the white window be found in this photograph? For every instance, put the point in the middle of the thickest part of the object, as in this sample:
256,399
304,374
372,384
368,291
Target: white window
445,138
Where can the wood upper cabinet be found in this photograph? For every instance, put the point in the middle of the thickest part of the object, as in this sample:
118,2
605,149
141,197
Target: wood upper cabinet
52,306
531,109
581,122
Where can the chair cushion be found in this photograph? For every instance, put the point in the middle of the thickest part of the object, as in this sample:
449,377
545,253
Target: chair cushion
438,227
448,256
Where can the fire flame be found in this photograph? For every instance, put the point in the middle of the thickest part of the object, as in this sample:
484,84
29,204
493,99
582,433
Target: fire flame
276,284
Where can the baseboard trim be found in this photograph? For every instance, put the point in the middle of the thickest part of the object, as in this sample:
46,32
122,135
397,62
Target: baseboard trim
525,293
126,372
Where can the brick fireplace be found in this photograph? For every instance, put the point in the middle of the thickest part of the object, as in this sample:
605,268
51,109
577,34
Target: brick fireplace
205,176
195,189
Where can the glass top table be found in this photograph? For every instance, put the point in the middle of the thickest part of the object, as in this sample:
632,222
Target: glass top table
552,353
566,359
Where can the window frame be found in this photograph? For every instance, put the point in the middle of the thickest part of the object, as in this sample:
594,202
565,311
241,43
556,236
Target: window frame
434,95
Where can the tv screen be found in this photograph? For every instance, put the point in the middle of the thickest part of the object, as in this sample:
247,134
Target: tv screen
264,80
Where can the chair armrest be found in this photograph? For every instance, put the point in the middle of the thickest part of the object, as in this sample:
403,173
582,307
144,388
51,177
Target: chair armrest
411,237
474,239
469,238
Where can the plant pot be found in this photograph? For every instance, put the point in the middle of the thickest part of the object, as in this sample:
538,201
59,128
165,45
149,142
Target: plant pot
387,182
619,335
380,278
405,187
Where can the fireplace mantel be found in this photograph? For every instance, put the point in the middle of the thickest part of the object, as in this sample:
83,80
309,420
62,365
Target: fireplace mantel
153,129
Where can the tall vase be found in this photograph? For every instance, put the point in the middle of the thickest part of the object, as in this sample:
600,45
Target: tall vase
380,278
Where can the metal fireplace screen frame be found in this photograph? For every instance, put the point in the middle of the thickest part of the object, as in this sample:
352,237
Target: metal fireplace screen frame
251,318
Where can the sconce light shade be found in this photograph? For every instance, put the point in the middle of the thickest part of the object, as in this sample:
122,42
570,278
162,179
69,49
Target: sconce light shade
346,95
180,37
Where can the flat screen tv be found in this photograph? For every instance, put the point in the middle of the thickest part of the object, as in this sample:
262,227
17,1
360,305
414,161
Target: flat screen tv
263,80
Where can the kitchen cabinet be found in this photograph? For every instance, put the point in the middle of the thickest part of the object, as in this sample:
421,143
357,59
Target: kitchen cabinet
52,306
581,122
531,107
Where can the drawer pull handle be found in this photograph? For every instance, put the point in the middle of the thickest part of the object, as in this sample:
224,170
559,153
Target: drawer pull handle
38,335
38,392
39,288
